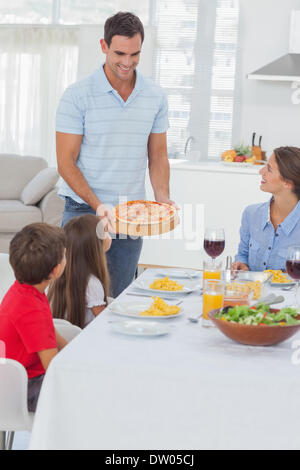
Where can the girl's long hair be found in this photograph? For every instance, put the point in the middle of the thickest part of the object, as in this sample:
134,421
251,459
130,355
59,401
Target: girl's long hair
85,256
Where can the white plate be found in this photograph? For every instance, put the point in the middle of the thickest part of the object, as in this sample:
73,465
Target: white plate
140,328
177,273
144,285
133,309
282,285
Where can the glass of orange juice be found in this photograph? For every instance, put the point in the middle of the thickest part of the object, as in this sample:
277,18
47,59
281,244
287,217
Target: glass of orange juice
213,296
210,271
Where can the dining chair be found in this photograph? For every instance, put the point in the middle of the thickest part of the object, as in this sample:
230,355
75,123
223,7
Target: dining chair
66,329
14,414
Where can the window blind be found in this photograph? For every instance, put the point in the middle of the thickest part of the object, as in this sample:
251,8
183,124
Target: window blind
223,78
195,62
174,64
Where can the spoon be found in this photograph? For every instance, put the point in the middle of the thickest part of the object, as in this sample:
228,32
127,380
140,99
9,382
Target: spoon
270,299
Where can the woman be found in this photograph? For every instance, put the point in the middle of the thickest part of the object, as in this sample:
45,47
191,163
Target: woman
80,294
270,228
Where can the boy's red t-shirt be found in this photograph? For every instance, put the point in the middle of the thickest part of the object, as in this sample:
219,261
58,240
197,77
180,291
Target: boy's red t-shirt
26,326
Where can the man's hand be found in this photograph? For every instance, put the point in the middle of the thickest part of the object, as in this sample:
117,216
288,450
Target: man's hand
166,200
107,217
238,266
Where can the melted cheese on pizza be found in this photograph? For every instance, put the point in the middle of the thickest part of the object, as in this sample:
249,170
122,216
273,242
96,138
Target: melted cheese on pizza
143,212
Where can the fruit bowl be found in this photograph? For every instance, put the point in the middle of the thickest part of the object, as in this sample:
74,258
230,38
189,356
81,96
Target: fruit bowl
255,335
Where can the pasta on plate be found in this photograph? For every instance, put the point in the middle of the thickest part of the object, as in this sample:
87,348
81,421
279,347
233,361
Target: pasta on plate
160,308
166,284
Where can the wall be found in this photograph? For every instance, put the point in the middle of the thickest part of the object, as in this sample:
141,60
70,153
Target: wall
266,106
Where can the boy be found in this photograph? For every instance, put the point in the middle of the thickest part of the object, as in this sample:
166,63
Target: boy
37,256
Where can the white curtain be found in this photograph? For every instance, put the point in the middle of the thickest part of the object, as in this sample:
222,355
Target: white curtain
36,64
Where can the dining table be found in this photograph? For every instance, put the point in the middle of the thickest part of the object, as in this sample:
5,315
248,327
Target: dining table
188,388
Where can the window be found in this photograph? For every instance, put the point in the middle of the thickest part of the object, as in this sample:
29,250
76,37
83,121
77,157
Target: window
36,65
26,12
194,60
174,64
195,63
68,11
39,52
96,11
223,78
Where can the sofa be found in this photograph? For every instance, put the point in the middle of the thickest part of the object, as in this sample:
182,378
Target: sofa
28,194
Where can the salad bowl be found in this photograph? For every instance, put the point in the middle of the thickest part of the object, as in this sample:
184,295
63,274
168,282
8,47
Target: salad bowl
255,335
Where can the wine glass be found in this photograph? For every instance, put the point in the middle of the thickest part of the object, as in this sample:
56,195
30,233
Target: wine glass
293,268
214,242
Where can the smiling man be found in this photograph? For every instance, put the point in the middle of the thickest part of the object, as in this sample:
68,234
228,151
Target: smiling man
110,126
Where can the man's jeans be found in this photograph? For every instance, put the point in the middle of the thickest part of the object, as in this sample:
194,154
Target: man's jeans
123,255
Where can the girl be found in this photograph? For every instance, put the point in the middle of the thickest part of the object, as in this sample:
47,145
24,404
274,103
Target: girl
269,229
81,292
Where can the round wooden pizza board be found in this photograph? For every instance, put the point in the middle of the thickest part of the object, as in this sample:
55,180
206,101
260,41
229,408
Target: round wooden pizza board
147,230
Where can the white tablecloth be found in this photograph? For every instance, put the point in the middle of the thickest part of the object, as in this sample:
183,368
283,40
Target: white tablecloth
192,389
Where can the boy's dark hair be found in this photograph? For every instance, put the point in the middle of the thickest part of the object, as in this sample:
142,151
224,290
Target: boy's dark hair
122,24
35,251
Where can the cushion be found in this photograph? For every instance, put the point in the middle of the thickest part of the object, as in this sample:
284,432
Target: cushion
19,170
39,186
14,215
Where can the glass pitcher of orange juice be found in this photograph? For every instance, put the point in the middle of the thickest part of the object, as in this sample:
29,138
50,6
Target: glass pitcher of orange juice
237,294
213,296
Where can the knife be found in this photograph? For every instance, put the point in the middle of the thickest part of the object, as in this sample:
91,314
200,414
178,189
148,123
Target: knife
152,295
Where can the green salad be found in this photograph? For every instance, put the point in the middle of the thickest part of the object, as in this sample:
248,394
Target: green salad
258,315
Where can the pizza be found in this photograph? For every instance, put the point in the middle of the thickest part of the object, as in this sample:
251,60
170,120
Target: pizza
144,212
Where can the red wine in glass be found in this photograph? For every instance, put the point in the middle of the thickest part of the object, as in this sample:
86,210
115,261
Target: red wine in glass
214,242
214,248
293,269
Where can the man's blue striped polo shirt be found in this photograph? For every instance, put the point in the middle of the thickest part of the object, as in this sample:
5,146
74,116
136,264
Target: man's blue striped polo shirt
113,156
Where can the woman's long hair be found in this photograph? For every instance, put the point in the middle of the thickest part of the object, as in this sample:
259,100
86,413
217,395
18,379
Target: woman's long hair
85,256
288,161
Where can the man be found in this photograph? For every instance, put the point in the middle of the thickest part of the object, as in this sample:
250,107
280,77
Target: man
108,126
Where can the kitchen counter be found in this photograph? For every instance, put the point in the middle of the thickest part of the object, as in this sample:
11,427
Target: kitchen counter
220,167
208,194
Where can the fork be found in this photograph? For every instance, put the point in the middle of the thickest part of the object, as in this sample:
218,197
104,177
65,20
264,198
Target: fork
287,288
178,301
192,278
